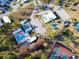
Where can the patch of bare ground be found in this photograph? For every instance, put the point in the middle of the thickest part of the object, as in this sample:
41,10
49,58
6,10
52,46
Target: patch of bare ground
73,12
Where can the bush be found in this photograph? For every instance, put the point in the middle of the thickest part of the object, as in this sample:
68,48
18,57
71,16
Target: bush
66,32
5,45
29,57
43,56
1,57
9,57
75,4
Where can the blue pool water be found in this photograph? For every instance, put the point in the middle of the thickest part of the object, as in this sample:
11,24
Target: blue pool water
55,27
76,26
20,36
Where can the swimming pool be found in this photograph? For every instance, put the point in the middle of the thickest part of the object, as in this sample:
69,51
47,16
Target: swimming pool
76,26
54,26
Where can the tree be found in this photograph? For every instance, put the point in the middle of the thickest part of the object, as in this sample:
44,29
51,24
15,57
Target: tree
43,56
61,2
5,44
29,57
66,32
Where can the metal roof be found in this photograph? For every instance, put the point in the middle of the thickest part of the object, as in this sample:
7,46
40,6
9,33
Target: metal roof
61,12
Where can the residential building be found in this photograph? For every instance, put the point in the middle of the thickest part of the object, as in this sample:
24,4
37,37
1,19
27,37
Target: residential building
61,13
26,26
38,25
21,36
47,16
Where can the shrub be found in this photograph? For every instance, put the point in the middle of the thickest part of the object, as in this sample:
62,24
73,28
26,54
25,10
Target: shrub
9,57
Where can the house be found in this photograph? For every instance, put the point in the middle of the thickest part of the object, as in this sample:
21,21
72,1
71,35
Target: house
6,19
47,16
26,26
21,36
1,23
38,26
61,13
59,51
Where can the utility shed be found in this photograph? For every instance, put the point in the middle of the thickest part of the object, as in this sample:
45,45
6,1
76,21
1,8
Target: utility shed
61,13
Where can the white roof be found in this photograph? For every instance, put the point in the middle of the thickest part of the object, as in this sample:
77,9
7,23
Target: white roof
36,23
32,39
40,30
78,5
61,12
48,16
16,31
6,19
